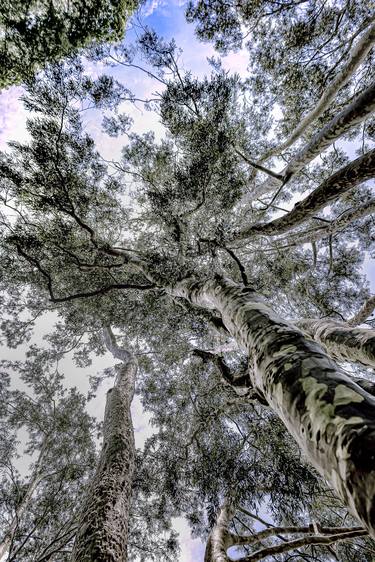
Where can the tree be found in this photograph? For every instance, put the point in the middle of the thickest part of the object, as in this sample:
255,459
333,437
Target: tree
36,33
103,526
207,256
39,510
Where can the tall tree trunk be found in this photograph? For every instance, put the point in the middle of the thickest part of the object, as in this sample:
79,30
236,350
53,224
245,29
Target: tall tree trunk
103,526
219,539
329,415
35,478
341,341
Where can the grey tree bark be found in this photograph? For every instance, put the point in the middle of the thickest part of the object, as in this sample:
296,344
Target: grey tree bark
349,117
348,177
356,57
103,527
341,341
329,415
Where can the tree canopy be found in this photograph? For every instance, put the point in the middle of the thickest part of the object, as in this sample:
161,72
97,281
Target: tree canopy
36,32
228,257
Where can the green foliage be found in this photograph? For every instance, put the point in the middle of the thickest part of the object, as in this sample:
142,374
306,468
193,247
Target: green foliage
102,242
35,33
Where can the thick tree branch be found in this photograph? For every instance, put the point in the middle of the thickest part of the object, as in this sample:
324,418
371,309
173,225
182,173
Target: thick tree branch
336,225
355,173
341,341
356,57
304,541
274,531
349,117
364,313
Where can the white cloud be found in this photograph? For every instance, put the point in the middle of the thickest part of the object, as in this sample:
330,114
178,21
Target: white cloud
12,116
191,549
151,7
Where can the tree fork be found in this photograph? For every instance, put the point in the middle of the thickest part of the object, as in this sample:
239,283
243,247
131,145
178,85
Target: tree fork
329,415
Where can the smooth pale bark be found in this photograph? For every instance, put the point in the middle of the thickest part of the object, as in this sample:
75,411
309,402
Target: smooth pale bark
341,341
35,478
364,313
352,115
356,57
103,526
356,172
219,539
329,415
342,222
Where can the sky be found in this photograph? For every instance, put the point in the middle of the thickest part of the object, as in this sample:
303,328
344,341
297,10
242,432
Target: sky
167,18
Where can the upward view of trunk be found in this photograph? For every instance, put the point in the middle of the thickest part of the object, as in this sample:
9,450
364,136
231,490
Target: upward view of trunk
35,478
330,416
103,527
342,342
355,59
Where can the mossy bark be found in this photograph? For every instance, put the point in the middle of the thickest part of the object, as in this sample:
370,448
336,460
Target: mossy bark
329,415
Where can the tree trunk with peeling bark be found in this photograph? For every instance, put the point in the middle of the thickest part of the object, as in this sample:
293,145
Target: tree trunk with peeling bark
329,415
341,341
103,526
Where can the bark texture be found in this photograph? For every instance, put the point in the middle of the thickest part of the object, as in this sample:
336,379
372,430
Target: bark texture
352,115
365,312
220,539
355,173
341,341
329,415
103,527
356,57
